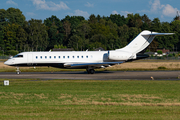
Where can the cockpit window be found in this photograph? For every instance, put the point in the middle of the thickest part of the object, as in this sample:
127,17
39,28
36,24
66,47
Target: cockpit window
18,56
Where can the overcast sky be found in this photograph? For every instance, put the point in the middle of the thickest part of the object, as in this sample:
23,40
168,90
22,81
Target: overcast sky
165,10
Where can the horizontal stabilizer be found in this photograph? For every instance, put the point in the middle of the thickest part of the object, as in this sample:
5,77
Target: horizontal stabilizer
158,34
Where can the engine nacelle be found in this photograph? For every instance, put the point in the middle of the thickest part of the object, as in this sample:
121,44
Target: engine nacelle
120,55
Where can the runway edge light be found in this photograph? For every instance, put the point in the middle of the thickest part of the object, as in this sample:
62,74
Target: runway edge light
6,82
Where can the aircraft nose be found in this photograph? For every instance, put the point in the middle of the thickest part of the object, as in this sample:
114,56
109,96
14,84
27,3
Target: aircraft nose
7,62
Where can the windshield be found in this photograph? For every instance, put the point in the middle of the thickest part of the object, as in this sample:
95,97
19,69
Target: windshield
18,56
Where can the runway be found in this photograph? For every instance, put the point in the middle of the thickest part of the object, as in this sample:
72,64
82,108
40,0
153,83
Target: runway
99,75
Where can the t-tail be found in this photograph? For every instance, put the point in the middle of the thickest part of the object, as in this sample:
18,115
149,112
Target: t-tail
142,41
132,50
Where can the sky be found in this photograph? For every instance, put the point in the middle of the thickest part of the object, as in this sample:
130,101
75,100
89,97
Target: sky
165,10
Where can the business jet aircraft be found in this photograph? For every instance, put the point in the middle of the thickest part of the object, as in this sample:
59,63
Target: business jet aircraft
88,60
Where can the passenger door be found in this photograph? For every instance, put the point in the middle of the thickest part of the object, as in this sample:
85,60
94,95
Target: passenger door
30,59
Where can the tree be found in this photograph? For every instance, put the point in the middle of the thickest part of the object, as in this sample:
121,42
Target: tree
59,46
74,21
3,22
37,34
146,22
2,45
9,37
99,28
14,37
75,42
53,20
156,25
55,31
98,17
113,27
67,30
11,32
111,32
175,25
159,52
153,46
118,19
21,38
134,20
3,18
99,38
167,42
123,35
111,41
55,38
92,19
83,29
177,17
15,16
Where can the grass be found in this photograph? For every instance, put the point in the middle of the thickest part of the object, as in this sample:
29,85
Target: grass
161,68
88,99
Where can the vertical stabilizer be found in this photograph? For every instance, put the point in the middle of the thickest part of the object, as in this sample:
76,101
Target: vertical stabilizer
141,41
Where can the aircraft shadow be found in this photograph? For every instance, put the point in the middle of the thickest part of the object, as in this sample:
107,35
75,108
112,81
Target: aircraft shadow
76,72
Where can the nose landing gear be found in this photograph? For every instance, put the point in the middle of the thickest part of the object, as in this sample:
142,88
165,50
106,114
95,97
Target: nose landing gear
17,71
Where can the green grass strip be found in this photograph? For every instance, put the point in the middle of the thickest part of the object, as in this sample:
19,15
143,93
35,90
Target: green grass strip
89,99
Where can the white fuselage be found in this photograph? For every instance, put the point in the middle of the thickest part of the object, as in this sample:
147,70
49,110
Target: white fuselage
61,58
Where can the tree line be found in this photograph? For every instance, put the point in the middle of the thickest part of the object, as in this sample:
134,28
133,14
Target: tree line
111,32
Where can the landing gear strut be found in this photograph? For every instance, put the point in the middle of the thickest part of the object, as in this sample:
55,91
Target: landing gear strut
17,71
90,71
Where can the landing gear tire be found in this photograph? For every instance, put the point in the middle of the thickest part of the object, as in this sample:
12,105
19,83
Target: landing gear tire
91,71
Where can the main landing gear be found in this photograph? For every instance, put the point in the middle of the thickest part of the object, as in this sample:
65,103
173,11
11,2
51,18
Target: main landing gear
90,71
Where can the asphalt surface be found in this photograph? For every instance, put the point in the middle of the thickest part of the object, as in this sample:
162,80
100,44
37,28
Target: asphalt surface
99,75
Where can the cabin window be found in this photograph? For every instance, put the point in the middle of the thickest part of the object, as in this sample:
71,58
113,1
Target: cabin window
54,57
77,56
81,56
41,57
59,57
67,56
50,57
46,57
36,57
73,56
63,56
86,56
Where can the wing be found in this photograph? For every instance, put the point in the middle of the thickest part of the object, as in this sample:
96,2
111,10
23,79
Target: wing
94,65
